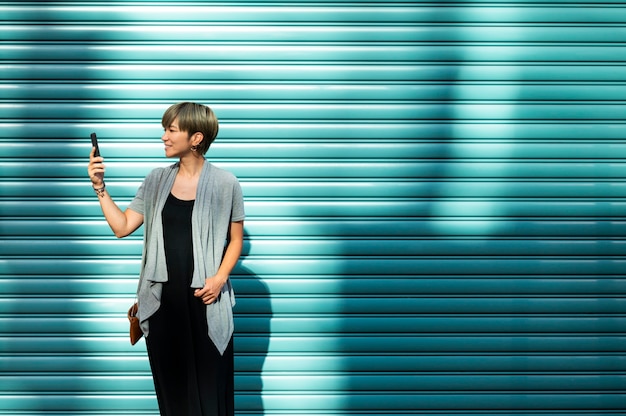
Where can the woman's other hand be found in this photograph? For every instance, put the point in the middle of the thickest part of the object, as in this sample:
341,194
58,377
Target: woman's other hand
211,290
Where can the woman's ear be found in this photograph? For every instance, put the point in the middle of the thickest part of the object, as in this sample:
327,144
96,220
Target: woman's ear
197,138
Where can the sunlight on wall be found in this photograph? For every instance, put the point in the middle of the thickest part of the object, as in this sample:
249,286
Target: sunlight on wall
497,151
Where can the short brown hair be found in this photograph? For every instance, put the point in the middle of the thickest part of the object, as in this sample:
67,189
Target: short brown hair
193,118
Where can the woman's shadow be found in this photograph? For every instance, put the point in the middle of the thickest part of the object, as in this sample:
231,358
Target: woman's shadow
253,313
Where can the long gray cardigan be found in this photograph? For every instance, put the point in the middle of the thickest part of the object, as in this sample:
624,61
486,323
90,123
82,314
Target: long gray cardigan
219,201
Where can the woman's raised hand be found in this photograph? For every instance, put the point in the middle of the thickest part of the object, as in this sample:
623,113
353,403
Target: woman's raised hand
96,169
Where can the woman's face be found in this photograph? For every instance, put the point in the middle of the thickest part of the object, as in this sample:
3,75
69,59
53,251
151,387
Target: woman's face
177,143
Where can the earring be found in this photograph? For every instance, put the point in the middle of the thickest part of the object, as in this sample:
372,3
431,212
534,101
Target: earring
194,148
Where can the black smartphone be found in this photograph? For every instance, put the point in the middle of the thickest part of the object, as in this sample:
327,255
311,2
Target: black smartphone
94,143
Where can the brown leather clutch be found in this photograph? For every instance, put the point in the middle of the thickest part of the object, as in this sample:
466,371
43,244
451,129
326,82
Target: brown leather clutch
135,330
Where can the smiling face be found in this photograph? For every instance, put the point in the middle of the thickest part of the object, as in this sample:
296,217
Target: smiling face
177,142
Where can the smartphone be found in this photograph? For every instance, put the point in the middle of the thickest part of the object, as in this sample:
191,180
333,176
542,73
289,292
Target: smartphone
94,143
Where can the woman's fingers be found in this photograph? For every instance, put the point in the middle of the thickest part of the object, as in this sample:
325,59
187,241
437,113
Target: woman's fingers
95,169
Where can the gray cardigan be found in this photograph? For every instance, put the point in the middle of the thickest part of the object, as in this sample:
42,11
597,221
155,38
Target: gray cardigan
219,201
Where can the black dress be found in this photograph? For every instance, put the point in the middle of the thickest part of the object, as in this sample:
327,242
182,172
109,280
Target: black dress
191,377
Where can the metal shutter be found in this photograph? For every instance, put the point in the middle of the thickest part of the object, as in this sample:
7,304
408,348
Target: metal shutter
434,195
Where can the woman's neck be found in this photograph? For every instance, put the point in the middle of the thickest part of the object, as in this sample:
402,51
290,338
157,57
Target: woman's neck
191,166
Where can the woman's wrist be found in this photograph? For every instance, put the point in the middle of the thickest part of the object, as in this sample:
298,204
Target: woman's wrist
99,190
222,279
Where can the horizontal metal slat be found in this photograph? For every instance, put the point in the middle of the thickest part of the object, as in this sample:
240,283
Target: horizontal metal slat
422,365
437,266
487,151
550,250
441,189
245,72
201,90
84,402
248,285
361,266
303,111
389,208
341,325
405,344
388,13
311,53
477,326
349,227
285,132
335,110
296,403
579,383
254,339
335,383
410,304
357,91
434,71
318,32
228,71
329,247
448,402
276,364
263,32
256,52
333,169
249,13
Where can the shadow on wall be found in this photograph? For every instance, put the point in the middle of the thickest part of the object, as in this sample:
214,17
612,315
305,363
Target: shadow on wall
253,314
60,382
384,343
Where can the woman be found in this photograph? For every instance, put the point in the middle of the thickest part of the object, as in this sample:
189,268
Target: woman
192,214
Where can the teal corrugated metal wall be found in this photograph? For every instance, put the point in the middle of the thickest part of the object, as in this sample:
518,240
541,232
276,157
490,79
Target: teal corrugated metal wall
435,200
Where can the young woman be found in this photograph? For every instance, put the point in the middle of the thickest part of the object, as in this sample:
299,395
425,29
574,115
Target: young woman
193,215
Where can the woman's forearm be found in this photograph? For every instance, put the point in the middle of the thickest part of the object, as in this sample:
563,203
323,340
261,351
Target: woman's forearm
121,223
233,251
